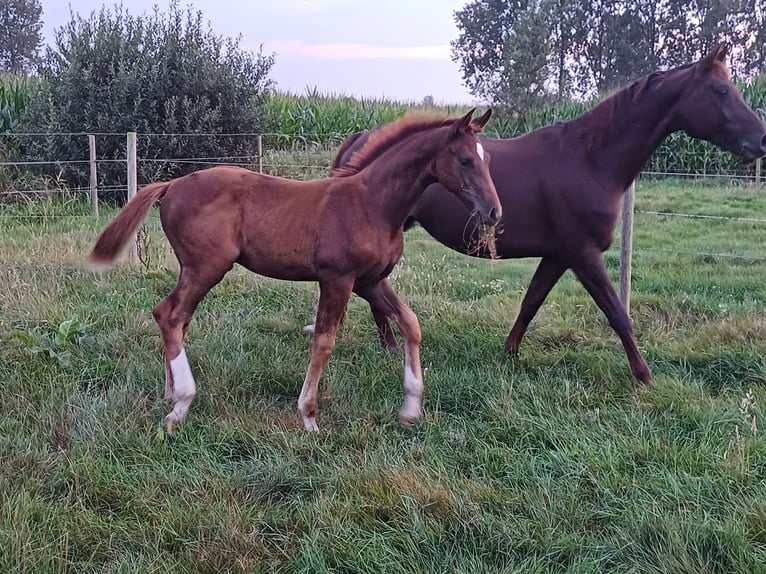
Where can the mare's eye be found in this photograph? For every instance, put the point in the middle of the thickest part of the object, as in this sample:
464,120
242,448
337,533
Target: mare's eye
466,161
721,90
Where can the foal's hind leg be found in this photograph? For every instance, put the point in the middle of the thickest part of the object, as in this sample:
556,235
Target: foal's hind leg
333,299
384,301
548,272
382,322
381,313
173,315
592,274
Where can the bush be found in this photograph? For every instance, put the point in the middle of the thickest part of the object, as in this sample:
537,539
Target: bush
165,73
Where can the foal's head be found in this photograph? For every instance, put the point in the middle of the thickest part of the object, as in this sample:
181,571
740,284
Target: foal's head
712,108
462,167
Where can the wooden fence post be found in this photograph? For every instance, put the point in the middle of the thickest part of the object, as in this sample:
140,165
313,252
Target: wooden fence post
132,186
93,178
260,153
758,171
626,245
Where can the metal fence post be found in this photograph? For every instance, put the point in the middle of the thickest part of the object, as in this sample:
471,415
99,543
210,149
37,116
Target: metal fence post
260,153
626,245
93,178
132,186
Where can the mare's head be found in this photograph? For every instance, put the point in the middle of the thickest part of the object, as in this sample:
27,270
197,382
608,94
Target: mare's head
462,167
712,108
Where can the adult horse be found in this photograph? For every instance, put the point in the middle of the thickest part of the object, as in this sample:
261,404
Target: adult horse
344,232
565,182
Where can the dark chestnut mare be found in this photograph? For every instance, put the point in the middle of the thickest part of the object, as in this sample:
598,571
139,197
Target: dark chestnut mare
565,183
346,232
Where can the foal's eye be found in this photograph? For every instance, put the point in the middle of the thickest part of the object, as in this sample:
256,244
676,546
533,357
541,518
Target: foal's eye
466,161
721,90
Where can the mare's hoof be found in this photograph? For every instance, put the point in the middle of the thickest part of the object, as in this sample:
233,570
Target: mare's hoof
511,349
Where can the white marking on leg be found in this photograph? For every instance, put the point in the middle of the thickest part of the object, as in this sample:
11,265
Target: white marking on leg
480,150
305,400
413,395
168,383
184,390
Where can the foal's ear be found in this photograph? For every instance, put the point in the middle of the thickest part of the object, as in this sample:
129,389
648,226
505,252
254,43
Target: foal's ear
717,54
463,123
478,124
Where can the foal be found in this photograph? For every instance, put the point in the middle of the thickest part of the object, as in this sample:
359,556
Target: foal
346,232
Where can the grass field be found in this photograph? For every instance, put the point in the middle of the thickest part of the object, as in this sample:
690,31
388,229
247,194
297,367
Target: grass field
556,461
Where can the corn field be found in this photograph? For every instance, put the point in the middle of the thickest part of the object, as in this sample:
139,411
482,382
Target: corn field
14,97
316,120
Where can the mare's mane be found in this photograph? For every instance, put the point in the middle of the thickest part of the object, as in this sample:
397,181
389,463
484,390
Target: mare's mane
384,138
601,120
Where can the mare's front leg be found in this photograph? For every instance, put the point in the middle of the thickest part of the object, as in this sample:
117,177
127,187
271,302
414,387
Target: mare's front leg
333,300
548,272
592,274
385,304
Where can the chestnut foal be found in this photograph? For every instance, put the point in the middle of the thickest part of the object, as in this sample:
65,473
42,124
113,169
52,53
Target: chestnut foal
346,232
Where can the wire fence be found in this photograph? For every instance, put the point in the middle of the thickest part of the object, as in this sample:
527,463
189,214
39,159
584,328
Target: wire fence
297,160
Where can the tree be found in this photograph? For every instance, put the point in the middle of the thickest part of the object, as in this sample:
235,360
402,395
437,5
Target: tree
508,49
20,34
165,73
504,50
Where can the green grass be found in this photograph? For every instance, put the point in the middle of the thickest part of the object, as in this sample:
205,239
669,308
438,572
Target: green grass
557,461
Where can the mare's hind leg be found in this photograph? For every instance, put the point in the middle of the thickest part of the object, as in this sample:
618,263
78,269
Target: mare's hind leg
548,272
333,299
384,301
173,315
592,274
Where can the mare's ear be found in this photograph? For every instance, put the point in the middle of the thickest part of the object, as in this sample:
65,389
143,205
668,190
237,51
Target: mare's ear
478,124
463,123
717,54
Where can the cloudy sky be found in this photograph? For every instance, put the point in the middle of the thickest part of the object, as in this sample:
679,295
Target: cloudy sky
393,48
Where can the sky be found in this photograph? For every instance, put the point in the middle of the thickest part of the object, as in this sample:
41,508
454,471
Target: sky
366,48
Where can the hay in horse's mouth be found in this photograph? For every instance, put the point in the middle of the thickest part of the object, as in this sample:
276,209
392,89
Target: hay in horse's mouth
485,240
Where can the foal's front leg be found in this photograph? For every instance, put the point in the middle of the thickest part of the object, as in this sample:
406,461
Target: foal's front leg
386,304
333,299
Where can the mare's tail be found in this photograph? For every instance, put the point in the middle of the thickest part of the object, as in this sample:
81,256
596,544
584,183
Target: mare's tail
115,236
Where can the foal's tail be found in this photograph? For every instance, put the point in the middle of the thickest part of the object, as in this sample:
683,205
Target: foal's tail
115,237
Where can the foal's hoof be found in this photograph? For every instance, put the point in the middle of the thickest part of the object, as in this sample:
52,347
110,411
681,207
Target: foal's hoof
171,424
308,330
310,424
408,419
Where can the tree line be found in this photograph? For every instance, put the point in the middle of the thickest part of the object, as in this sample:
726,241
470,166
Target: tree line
524,53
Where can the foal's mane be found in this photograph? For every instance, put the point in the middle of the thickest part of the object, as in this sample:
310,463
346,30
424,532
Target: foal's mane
384,138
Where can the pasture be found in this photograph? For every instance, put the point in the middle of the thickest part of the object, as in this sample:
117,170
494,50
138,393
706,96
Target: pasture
555,461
